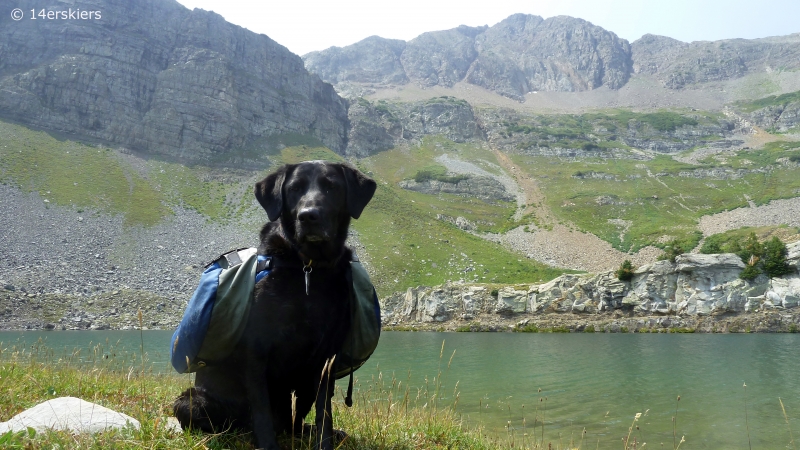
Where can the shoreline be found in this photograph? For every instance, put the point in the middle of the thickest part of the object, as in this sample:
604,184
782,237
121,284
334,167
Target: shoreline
765,321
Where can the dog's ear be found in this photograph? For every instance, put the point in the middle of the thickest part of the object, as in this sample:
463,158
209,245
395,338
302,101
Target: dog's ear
360,189
269,193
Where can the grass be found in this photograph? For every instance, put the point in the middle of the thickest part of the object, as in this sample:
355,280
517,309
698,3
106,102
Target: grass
387,413
772,100
68,173
600,131
400,229
412,247
657,196
99,179
725,242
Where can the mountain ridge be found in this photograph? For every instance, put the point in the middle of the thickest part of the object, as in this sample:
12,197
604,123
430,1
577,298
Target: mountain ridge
157,77
525,53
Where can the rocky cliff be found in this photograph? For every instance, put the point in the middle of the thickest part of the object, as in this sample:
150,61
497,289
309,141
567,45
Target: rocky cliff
678,64
780,118
153,76
694,285
525,53
379,126
520,54
605,135
474,186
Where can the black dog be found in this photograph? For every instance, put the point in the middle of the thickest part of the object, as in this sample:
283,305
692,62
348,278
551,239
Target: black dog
297,322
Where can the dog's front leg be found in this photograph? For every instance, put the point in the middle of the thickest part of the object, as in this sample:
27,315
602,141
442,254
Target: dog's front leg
260,409
324,419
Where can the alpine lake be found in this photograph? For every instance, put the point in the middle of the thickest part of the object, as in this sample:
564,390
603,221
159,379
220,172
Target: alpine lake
512,383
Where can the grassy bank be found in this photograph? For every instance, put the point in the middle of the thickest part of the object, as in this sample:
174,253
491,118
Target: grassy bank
387,414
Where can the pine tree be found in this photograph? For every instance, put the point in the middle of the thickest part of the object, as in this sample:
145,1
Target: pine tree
750,248
625,271
774,258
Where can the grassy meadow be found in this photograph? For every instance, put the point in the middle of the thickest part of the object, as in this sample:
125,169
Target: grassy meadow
386,414
634,203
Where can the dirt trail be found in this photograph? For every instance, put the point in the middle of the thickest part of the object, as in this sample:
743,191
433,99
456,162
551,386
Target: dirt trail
558,244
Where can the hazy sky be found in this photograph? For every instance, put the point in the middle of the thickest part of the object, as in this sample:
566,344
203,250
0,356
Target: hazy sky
307,25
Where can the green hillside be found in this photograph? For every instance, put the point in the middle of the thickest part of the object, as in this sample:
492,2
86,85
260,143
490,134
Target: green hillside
407,245
662,198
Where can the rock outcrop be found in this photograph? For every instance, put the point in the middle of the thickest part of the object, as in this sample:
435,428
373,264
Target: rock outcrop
153,76
372,60
525,53
379,126
781,117
605,135
694,285
678,64
474,186
520,54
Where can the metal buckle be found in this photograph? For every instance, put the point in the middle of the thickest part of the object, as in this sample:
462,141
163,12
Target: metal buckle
233,258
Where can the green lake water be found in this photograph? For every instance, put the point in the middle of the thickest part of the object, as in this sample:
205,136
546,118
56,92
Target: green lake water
597,381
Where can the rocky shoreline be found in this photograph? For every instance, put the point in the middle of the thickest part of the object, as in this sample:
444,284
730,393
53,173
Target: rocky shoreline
618,322
118,310
696,292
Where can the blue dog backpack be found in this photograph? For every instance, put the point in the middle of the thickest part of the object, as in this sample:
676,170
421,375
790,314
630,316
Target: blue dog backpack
217,313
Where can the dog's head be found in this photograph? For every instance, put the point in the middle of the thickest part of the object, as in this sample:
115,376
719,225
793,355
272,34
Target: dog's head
314,202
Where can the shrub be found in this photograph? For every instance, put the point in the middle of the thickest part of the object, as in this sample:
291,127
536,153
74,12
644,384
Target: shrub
711,247
671,251
774,255
751,271
625,271
750,248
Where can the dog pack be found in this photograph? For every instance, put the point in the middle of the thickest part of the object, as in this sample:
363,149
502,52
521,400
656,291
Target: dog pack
217,313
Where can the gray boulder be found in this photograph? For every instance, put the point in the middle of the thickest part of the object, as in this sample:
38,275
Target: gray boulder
69,414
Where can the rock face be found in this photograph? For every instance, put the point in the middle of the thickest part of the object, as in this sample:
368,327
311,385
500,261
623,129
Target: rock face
525,53
695,285
372,60
69,414
485,188
379,126
604,135
153,76
441,57
522,53
678,64
781,118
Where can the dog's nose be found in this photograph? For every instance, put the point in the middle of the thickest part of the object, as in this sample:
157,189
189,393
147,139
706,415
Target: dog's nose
309,215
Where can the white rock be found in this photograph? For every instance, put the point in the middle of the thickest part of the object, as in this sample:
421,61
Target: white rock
511,301
69,413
